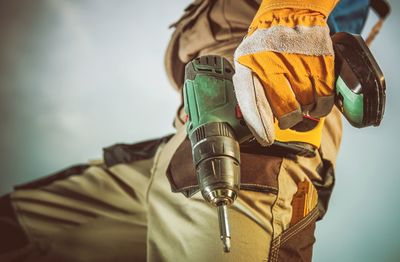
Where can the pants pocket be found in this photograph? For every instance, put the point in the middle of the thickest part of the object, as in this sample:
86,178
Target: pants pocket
295,243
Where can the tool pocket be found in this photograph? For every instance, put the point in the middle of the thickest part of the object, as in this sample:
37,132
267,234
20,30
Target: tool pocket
295,243
258,172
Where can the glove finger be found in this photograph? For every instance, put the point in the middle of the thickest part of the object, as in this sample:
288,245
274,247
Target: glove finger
324,98
302,88
282,100
254,105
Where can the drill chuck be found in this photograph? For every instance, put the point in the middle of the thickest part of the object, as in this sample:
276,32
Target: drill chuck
216,157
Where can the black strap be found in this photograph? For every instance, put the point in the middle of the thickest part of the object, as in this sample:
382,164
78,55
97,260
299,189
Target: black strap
127,153
63,174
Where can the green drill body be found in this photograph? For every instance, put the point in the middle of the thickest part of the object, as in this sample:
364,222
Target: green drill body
209,96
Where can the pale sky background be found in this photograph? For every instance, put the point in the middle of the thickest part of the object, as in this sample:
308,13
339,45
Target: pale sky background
76,76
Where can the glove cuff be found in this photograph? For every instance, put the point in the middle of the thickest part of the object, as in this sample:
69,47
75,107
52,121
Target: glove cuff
323,6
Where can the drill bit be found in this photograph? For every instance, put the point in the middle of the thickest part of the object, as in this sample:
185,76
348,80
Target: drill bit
225,233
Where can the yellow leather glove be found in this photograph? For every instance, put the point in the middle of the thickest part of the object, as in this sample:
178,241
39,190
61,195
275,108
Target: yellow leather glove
285,66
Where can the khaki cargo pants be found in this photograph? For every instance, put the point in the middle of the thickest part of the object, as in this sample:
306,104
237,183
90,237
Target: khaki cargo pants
123,208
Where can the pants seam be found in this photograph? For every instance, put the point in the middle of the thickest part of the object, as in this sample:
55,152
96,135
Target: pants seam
272,256
153,171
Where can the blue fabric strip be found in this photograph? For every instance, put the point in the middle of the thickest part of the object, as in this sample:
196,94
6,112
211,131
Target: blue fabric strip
349,16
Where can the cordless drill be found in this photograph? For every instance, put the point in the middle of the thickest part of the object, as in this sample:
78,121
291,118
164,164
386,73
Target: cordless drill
215,133
217,130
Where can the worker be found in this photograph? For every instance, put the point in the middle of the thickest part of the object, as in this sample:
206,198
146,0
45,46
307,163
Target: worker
136,203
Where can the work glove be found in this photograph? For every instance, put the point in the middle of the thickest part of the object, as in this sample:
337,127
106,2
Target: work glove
284,67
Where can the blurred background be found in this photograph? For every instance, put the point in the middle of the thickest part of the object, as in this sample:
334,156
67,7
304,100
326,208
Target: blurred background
76,76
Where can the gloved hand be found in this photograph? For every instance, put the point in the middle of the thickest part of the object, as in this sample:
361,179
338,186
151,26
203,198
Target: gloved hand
285,66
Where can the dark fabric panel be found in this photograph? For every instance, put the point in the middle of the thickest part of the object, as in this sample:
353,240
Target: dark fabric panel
126,153
324,187
12,236
299,247
258,172
295,244
65,173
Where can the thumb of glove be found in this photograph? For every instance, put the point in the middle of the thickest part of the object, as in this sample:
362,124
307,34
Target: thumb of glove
254,105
